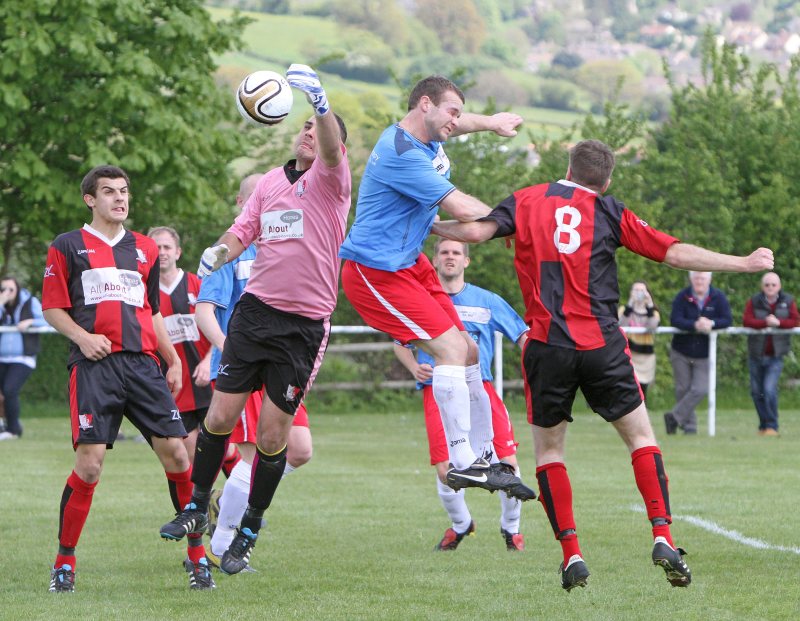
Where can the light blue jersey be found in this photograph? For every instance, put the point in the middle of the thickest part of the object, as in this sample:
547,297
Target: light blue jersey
223,289
398,199
483,313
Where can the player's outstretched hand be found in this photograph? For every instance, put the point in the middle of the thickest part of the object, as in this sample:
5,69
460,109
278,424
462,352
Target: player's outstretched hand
759,260
213,258
506,123
305,78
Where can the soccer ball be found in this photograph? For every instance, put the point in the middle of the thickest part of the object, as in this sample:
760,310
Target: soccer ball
264,98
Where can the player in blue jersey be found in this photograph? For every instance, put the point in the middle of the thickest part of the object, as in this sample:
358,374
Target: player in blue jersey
483,314
392,284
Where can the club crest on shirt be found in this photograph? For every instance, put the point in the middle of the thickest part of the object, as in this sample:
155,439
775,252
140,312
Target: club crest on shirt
140,256
85,421
192,299
642,222
301,188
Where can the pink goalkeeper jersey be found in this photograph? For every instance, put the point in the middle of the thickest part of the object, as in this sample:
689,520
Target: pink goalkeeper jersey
298,228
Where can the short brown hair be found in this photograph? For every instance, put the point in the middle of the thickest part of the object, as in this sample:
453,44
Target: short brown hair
168,230
434,86
591,163
441,240
107,171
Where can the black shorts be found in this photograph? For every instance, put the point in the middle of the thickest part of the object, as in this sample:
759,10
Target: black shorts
122,384
192,418
604,375
273,349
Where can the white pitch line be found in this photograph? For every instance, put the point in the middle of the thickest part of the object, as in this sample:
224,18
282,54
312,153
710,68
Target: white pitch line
733,535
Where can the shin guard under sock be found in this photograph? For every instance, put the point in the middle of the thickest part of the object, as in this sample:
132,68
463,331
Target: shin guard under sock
653,484
209,454
266,475
76,500
452,397
555,493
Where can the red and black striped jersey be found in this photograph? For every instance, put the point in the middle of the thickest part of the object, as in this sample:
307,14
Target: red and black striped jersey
566,240
178,302
108,286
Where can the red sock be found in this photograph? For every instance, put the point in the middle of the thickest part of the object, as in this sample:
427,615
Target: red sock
180,488
232,457
195,549
652,481
555,493
75,504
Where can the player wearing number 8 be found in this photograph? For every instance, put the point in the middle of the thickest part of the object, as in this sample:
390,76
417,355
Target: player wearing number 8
567,235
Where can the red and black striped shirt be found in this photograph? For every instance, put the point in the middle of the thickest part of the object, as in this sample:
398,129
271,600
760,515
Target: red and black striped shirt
108,286
566,240
178,302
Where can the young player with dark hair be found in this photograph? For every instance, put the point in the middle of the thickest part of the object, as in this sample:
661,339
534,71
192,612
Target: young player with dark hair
101,291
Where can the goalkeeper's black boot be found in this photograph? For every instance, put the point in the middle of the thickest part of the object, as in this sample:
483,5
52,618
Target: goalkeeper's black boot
671,559
237,556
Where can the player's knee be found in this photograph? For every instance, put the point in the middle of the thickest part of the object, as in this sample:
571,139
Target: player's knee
297,458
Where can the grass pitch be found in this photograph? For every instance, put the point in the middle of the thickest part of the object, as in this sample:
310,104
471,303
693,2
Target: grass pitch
350,535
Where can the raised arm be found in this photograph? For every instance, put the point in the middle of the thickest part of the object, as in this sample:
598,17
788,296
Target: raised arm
502,124
690,257
329,139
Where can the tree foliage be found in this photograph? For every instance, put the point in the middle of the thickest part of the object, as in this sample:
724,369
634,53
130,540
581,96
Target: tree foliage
458,24
127,82
723,165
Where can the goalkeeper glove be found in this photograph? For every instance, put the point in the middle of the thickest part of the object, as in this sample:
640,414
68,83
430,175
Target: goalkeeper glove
304,78
213,258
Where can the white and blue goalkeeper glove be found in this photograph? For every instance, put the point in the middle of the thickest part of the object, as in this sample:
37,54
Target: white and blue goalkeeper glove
213,258
305,78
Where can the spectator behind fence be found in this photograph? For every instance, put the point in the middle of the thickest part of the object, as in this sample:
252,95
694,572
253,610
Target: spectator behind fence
641,312
771,308
18,309
698,309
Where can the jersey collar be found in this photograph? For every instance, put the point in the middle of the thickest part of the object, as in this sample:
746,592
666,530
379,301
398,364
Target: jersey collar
111,242
168,289
572,184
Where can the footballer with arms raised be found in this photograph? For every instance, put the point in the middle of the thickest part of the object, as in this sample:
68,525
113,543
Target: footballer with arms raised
567,235
101,290
279,330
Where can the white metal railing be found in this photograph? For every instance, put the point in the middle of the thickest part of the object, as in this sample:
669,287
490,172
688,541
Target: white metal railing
498,359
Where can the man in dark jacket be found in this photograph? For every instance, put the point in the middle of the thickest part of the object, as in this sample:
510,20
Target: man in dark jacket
698,309
771,308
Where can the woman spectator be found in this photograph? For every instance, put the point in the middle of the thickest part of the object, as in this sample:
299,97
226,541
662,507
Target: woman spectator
640,311
18,348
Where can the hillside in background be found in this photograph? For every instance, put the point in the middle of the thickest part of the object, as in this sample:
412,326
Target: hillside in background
570,56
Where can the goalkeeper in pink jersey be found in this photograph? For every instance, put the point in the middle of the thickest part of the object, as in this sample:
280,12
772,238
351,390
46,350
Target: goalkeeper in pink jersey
276,338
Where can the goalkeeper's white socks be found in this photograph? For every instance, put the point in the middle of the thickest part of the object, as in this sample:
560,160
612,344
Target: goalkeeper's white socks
455,505
480,412
452,396
231,507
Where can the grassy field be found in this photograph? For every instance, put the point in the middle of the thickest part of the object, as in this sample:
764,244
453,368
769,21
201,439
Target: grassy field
350,535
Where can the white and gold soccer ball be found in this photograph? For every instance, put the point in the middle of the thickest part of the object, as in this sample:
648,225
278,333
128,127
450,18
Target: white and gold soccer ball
264,98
